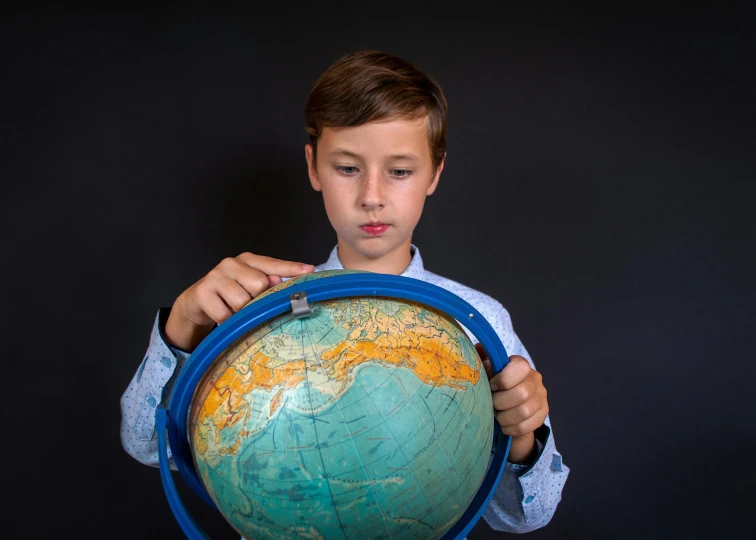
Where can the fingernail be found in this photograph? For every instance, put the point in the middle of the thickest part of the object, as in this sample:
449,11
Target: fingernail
307,266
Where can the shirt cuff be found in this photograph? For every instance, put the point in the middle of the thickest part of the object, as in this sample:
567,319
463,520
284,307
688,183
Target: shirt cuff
154,375
163,314
542,435
531,476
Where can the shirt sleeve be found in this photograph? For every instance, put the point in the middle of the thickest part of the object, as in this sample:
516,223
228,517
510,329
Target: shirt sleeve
150,386
527,494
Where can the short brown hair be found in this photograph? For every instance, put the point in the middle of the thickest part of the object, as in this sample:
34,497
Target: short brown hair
366,86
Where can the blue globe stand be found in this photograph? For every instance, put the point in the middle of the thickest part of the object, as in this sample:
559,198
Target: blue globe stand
173,420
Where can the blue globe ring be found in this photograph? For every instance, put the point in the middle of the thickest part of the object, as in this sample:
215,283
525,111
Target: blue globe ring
174,420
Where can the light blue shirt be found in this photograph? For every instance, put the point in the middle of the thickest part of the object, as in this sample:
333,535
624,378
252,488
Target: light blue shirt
527,495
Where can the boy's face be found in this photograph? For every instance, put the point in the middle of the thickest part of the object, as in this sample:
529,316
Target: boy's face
374,179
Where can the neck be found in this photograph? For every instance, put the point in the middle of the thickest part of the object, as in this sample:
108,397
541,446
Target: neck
394,262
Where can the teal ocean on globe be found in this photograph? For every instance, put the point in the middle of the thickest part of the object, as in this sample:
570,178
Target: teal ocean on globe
369,418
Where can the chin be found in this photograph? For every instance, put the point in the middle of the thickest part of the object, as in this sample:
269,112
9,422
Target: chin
372,248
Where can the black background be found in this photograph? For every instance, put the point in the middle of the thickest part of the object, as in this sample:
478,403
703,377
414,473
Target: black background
598,183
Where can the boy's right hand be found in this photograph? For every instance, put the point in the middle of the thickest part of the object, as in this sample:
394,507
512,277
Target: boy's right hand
226,289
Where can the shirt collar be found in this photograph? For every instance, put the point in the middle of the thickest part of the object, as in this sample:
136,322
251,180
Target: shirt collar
414,270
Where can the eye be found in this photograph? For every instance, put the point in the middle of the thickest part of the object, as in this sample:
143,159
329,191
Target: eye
346,170
401,173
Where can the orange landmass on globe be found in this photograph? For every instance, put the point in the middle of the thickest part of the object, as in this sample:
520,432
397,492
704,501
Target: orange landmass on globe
231,449
275,402
225,405
428,348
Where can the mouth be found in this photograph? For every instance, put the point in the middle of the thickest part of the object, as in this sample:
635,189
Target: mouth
374,229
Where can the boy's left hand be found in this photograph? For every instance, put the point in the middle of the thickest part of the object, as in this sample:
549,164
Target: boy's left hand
519,399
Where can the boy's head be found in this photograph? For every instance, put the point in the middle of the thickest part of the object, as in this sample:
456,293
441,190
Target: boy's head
371,86
377,127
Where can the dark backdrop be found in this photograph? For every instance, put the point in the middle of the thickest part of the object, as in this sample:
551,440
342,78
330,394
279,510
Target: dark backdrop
598,183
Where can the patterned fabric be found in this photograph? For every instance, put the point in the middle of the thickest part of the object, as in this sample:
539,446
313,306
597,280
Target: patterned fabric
527,495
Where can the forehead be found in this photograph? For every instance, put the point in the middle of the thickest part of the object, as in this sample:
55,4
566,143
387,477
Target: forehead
391,136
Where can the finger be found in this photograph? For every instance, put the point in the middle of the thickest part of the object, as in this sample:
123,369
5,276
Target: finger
484,359
233,293
274,280
271,266
487,367
513,374
212,305
514,428
251,279
514,397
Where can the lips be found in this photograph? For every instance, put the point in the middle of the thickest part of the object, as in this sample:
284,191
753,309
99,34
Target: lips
374,229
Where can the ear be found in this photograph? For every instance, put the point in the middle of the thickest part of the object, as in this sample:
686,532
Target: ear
436,177
311,169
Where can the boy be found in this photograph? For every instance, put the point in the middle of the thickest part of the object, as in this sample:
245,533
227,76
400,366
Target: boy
377,128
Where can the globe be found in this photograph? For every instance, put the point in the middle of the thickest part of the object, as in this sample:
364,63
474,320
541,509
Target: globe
368,417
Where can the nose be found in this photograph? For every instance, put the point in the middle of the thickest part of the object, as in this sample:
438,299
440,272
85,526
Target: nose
372,192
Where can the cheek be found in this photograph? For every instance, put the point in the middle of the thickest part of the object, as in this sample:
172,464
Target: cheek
334,204
411,204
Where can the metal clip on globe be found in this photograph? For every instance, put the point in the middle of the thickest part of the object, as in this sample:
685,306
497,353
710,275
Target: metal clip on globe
174,419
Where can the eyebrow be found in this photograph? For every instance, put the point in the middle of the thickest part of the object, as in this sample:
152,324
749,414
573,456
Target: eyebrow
343,152
408,157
